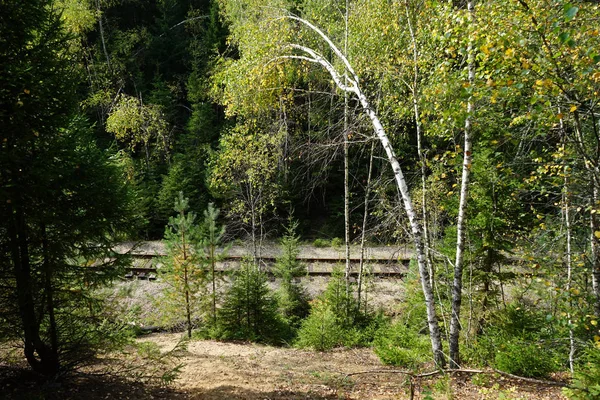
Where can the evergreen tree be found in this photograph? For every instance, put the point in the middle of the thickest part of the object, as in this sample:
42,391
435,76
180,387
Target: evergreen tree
63,201
212,234
250,308
293,301
182,267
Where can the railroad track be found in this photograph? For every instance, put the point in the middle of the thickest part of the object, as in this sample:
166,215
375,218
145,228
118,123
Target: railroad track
383,261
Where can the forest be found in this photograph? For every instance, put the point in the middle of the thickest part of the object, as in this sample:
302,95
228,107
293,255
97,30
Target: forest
466,131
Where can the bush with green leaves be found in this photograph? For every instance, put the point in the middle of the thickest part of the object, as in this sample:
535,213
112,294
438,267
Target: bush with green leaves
335,320
182,268
515,340
250,309
586,382
337,242
293,299
398,345
525,359
321,243
321,330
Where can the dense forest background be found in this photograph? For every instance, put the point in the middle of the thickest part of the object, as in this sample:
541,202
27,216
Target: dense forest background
467,129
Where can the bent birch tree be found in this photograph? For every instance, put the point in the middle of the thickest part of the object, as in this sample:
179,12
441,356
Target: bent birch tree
348,82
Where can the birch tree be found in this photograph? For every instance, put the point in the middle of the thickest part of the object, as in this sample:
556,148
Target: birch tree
462,208
348,81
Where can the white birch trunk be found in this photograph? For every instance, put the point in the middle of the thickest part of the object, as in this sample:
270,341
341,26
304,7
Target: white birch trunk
419,128
346,170
361,266
462,208
349,82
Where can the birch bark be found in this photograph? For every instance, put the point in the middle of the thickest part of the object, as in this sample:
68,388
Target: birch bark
349,82
462,209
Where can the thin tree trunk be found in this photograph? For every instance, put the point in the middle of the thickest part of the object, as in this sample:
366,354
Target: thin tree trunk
462,208
346,170
594,177
101,30
253,227
50,299
417,234
214,286
364,228
416,231
595,244
188,312
419,129
36,352
567,221
567,214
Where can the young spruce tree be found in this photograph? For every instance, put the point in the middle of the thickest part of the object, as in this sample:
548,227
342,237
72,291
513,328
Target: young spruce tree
63,201
182,267
249,311
293,301
212,234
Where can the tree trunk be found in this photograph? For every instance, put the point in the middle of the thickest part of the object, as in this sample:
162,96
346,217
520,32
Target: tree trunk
101,30
462,208
214,286
594,177
346,170
49,292
364,228
419,129
188,312
595,243
417,234
416,231
38,354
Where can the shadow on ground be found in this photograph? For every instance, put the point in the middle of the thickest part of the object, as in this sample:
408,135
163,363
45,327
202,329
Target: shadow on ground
21,384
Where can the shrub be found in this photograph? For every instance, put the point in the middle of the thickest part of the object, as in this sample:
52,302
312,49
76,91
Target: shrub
337,242
335,320
512,342
321,243
249,311
321,330
586,382
397,345
525,359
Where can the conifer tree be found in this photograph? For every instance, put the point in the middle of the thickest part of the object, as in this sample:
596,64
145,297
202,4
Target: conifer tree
250,308
212,234
293,301
63,200
182,267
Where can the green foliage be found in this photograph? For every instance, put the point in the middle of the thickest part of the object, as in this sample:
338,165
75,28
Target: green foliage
321,330
398,345
182,268
183,176
212,235
319,243
244,173
64,202
337,242
334,319
525,359
586,382
293,300
516,340
138,124
249,311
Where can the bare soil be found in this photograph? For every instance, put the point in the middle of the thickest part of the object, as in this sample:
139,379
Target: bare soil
215,370
242,371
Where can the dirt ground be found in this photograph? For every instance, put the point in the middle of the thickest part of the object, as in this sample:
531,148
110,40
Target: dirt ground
218,371
229,371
